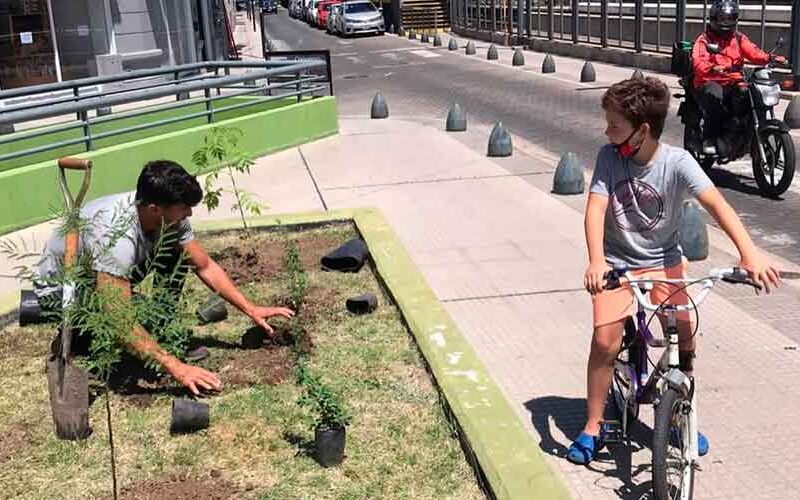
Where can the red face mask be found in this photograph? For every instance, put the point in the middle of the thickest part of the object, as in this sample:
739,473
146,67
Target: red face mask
625,149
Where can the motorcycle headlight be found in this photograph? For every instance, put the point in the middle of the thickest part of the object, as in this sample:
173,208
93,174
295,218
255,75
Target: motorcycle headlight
770,94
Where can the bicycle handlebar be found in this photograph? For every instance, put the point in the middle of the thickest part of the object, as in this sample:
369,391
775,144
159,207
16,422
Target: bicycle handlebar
735,275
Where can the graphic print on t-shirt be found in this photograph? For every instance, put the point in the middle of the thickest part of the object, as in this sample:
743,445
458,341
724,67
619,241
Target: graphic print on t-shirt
636,205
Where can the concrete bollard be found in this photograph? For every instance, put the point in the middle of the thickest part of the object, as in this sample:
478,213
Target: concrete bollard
637,75
499,142
182,96
549,64
792,115
412,35
103,111
437,41
424,38
456,119
519,58
587,73
379,107
401,32
491,54
7,128
391,29
693,233
471,48
568,178
452,44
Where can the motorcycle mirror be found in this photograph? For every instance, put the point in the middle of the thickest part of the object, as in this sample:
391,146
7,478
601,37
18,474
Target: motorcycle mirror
779,42
713,47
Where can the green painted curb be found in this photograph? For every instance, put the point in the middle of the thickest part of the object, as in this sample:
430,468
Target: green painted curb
507,453
29,193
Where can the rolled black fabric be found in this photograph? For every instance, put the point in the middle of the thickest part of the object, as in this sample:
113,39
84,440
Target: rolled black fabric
348,258
362,304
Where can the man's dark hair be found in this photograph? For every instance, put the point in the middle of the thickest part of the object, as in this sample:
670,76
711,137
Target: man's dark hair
165,183
640,100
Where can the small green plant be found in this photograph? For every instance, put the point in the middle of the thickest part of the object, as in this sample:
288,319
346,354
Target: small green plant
220,152
296,276
326,404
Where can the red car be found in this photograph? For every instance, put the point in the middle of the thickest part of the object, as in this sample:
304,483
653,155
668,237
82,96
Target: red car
324,10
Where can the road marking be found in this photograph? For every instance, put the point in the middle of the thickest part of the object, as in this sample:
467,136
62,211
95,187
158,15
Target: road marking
395,66
424,53
342,42
345,54
391,55
355,59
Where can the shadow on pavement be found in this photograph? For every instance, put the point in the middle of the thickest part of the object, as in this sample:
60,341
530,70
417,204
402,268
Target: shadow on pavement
614,461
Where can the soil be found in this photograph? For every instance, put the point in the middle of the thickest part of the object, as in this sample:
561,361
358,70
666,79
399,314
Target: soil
269,365
181,488
15,439
264,259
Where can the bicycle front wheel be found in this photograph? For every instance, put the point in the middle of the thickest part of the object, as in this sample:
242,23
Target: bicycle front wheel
673,472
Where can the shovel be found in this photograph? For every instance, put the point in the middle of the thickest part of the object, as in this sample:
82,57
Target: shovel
68,384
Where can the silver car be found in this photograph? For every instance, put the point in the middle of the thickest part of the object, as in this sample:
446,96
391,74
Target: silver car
359,16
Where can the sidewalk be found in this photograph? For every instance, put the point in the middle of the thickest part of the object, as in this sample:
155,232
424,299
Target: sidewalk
507,257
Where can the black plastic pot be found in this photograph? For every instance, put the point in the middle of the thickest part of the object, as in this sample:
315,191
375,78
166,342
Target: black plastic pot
188,416
329,445
254,338
212,311
29,311
348,258
363,304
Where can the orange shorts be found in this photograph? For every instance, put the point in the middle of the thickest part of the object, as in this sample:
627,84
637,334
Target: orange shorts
610,306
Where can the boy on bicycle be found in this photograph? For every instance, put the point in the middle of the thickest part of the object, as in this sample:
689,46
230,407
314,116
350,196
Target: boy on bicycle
632,216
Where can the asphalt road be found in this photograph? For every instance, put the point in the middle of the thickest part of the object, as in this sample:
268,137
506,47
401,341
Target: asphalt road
553,114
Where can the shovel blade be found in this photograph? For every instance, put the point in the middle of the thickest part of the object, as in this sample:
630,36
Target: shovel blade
69,399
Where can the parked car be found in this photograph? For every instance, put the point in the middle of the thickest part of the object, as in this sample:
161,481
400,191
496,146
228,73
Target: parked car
335,12
324,11
313,12
269,6
242,4
296,8
360,16
306,10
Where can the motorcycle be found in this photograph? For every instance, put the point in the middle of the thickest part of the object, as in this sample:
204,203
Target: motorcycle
764,137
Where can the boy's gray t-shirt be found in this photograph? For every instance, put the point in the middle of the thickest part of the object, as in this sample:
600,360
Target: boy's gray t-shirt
114,237
645,204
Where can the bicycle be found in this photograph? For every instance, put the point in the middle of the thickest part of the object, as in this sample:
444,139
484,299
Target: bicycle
670,390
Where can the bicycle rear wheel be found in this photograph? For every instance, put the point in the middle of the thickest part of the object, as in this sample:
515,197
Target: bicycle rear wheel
673,473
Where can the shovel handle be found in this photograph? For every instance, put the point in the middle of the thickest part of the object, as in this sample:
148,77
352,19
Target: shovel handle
73,163
70,163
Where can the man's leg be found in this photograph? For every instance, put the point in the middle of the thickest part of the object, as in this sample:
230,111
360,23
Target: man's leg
711,99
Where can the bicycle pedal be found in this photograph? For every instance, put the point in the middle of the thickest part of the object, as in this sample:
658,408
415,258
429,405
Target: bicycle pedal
612,431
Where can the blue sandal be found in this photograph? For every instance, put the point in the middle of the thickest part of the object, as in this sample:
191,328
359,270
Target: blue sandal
584,449
702,441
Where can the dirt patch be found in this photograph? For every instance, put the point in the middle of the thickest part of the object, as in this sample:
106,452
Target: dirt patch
15,439
264,259
181,488
141,400
269,365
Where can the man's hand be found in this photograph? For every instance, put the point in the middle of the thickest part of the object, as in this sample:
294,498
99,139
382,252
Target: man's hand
195,378
260,315
762,271
719,69
593,278
780,59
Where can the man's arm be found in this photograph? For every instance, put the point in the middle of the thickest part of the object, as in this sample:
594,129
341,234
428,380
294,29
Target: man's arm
701,58
751,51
143,344
762,271
218,280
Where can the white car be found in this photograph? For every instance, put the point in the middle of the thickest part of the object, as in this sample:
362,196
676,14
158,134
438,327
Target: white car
359,16
313,12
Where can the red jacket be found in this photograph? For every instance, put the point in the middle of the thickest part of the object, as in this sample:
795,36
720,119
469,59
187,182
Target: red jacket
734,50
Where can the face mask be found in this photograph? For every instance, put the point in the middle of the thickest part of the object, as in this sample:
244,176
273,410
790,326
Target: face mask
625,149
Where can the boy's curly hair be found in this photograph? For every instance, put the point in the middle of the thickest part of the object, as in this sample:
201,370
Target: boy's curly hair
640,100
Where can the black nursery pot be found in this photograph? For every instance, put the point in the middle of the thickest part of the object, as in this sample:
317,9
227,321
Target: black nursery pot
30,312
188,416
329,445
212,311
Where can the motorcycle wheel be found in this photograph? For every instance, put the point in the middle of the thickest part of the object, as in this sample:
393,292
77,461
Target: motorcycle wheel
705,162
774,177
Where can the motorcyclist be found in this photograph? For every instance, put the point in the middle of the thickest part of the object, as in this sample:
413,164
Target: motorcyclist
718,57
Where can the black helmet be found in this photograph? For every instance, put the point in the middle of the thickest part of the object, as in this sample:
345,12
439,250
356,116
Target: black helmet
724,16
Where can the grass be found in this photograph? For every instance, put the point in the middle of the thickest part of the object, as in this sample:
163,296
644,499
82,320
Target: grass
399,444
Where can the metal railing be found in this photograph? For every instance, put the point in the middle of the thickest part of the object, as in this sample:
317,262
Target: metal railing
265,80
637,25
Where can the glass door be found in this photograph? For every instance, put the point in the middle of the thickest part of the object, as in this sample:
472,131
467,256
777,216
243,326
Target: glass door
27,53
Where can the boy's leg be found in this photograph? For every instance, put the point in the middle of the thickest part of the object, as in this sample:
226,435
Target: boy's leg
606,342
